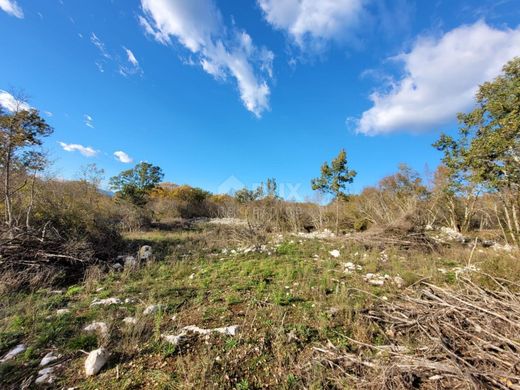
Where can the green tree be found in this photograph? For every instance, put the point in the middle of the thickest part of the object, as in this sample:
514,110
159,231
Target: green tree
486,153
245,195
135,184
22,130
334,180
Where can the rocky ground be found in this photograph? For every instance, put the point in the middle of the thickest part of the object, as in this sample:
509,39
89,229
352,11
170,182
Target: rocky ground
198,308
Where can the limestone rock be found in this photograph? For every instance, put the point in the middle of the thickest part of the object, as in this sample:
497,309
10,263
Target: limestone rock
106,301
130,262
152,309
95,361
14,352
145,253
46,375
49,358
130,320
334,253
100,327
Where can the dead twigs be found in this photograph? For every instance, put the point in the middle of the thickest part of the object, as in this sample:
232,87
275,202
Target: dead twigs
440,338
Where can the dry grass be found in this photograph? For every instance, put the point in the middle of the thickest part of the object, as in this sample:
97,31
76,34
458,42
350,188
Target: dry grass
304,322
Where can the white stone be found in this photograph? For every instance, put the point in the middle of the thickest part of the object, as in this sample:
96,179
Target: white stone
334,253
117,266
130,320
49,358
95,361
452,234
130,262
106,301
100,327
227,330
324,234
351,267
398,281
174,339
152,309
45,375
14,352
145,253
61,312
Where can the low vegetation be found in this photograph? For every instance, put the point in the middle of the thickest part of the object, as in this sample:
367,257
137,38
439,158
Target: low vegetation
413,283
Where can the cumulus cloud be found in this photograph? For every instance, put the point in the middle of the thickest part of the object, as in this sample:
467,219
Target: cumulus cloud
222,52
312,22
89,122
86,151
440,78
12,8
10,103
123,157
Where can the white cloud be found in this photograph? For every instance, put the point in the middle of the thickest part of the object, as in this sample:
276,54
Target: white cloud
89,122
222,52
100,45
10,103
12,8
132,67
312,22
131,57
86,151
440,78
123,157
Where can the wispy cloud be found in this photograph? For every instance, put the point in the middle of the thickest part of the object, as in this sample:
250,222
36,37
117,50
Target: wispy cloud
86,151
89,122
123,157
100,45
12,8
131,66
10,103
126,65
222,51
440,78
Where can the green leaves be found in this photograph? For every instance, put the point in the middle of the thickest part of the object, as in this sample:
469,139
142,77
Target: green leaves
487,151
334,177
135,184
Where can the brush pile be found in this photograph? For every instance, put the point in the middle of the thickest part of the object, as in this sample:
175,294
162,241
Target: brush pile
439,338
37,258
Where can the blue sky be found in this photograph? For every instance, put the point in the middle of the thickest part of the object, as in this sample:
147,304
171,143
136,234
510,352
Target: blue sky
253,89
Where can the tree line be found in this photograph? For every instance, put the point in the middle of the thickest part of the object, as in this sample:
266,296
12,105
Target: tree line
477,186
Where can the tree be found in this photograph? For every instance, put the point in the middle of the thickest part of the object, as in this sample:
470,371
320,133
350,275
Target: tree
486,153
21,132
334,180
247,196
135,184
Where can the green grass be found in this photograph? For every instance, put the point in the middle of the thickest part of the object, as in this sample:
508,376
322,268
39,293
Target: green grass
285,303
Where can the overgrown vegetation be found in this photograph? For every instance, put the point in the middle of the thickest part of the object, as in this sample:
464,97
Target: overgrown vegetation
416,288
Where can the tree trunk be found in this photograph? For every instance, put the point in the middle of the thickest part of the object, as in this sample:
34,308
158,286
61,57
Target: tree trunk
7,191
31,203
